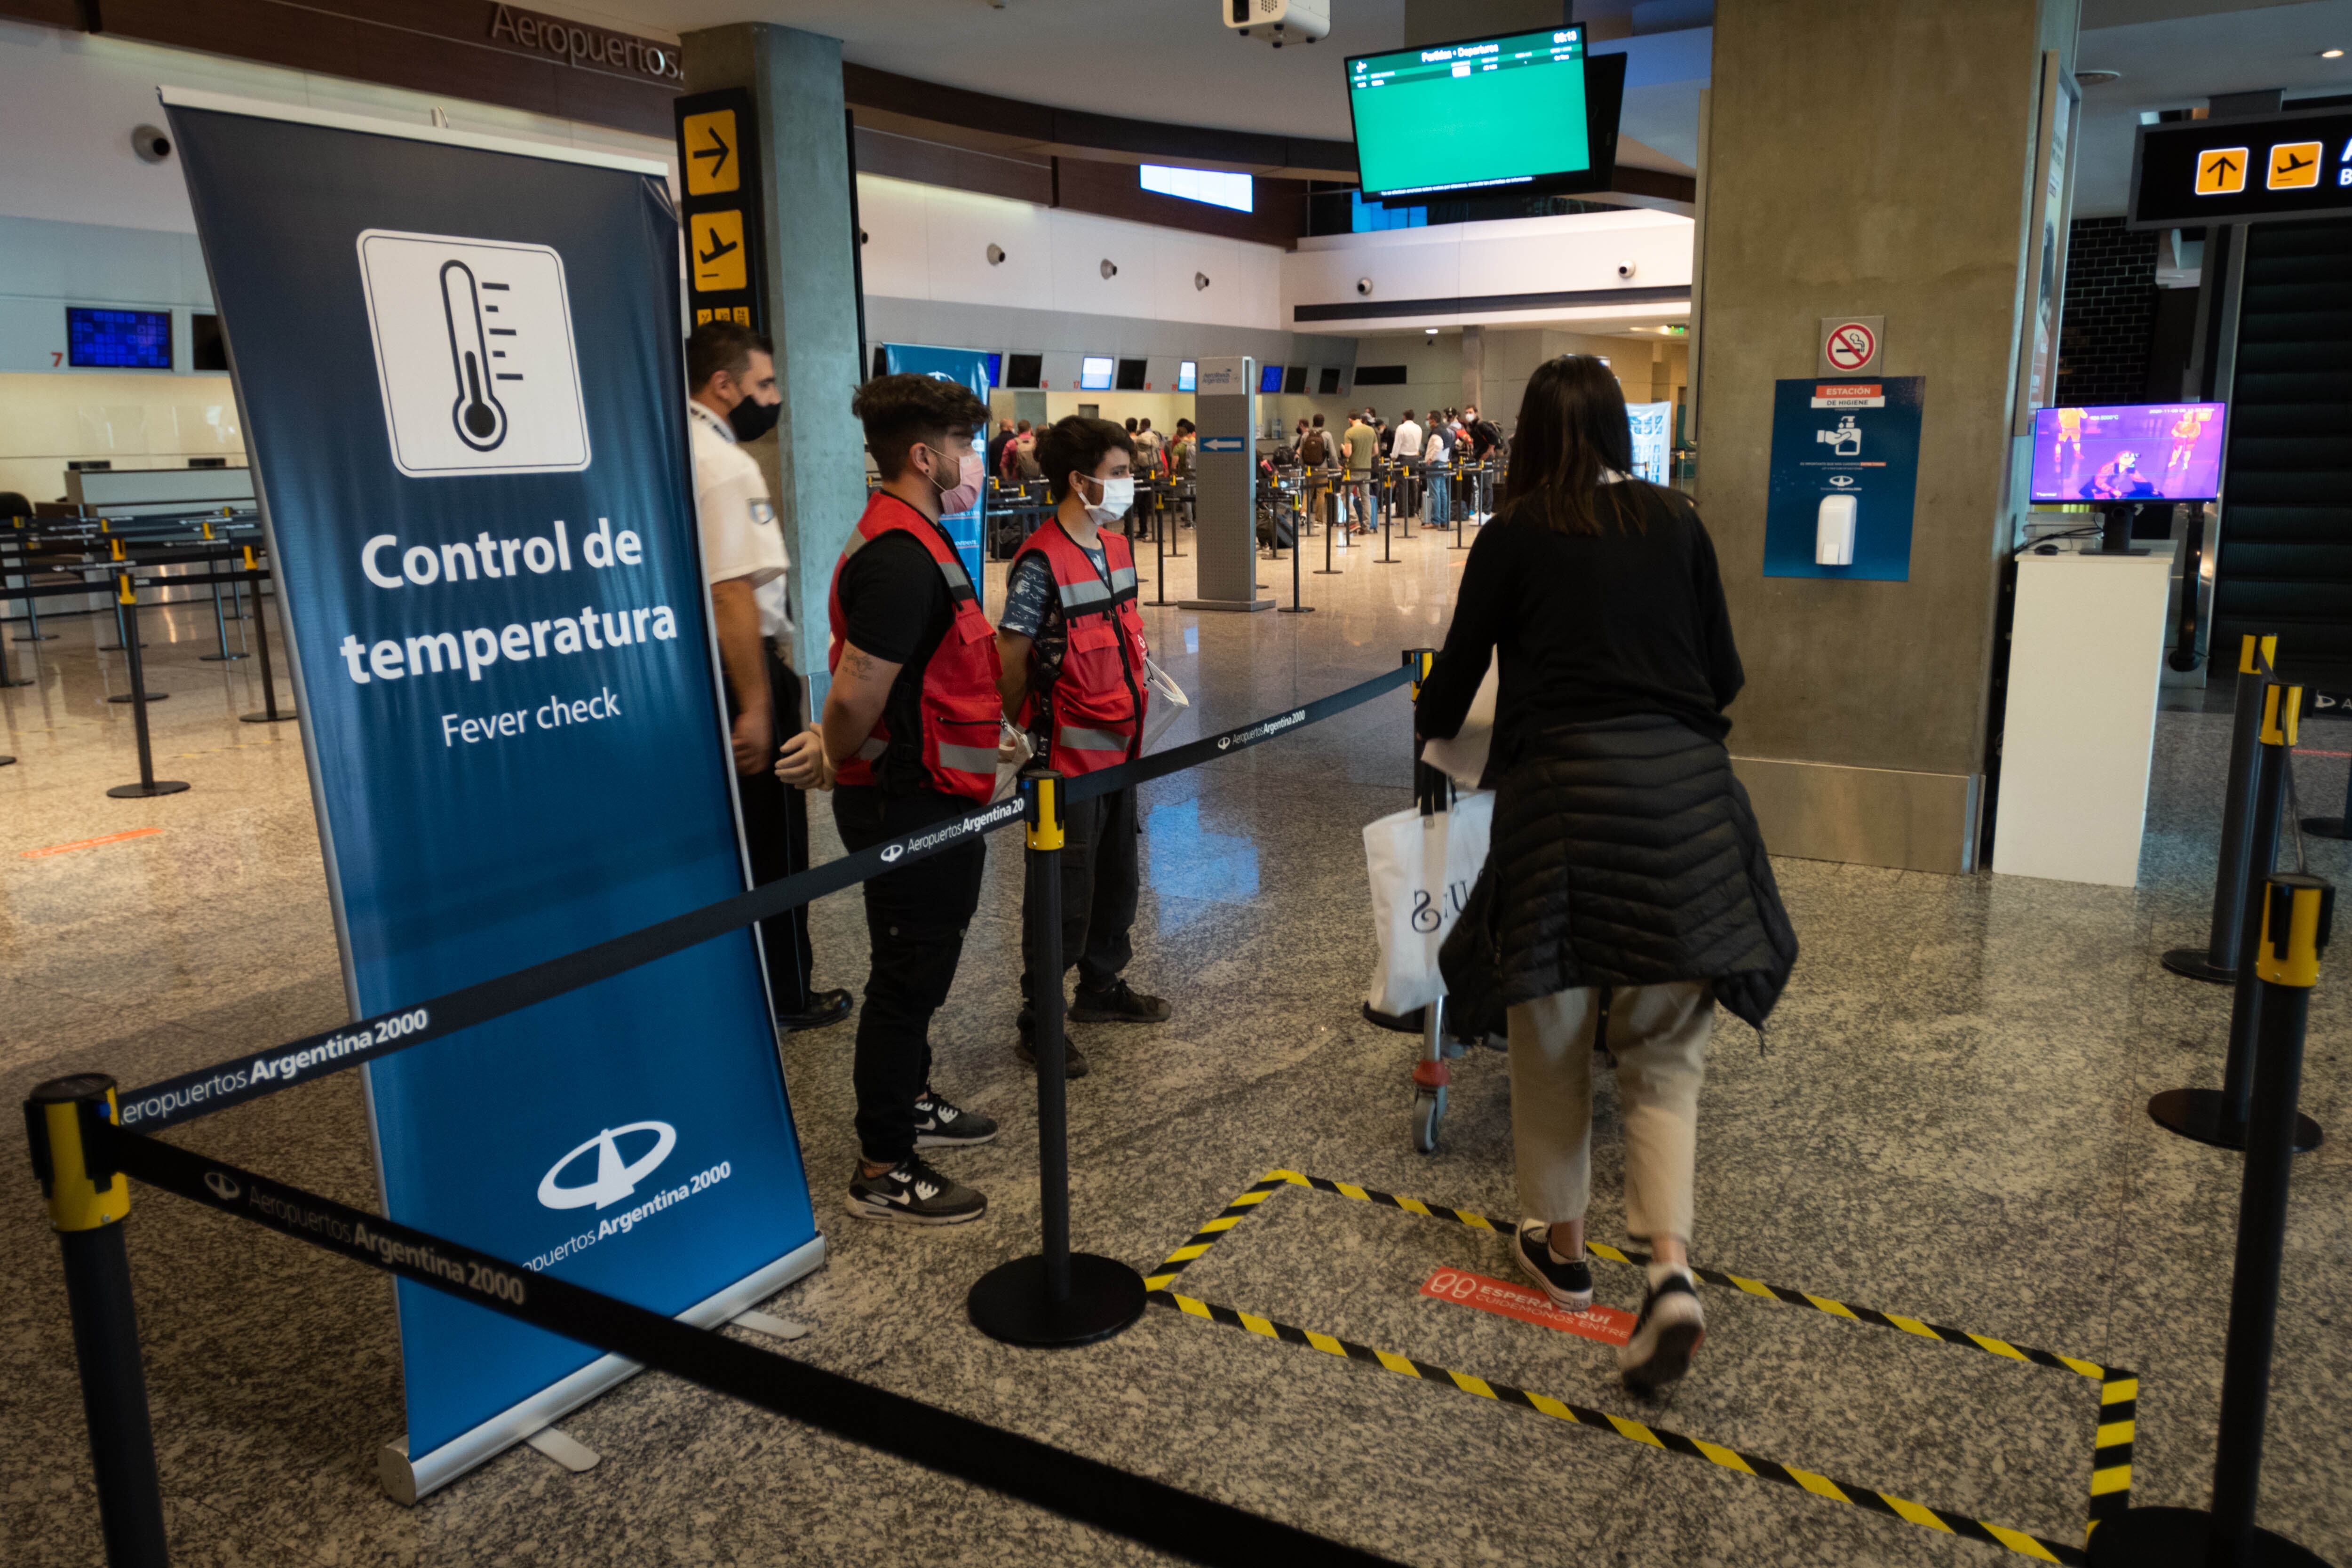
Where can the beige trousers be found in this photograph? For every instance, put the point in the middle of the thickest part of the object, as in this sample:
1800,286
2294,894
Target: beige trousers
1658,1033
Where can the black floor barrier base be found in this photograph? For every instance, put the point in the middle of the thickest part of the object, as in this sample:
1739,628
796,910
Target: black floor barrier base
280,716
146,791
152,697
2196,964
17,680
45,637
2199,1114
1009,1302
2176,1538
220,658
2328,827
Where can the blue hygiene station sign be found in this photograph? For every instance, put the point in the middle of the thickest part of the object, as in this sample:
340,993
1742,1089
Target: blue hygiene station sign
1854,439
459,366
970,368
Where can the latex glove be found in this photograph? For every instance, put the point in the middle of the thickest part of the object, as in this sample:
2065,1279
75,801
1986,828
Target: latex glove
801,760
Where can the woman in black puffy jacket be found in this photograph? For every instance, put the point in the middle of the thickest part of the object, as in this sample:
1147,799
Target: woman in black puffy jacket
1627,889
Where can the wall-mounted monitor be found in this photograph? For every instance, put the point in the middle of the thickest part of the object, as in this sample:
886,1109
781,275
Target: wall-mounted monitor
1269,379
995,363
1330,382
1026,370
1526,113
1294,379
1131,375
118,340
1187,375
1094,373
2128,452
207,349
1380,375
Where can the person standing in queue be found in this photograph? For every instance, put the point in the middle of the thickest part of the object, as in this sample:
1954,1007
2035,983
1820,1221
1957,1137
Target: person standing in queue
1071,647
912,727
732,379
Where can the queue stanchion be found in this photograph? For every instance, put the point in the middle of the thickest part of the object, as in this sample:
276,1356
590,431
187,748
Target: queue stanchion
2217,961
118,556
1457,544
2293,921
32,632
220,619
149,786
87,1206
2218,1116
1386,557
270,713
1327,569
1159,567
1297,547
2317,826
7,679
1057,1297
128,639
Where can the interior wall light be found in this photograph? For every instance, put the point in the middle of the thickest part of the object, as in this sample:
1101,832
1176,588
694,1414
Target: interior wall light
1431,332
1109,271
996,255
2331,53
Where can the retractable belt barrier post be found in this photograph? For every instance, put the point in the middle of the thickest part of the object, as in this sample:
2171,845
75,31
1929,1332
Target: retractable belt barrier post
149,786
1297,546
89,1199
220,619
2317,826
269,713
2218,1116
1057,1297
82,1126
2217,961
2296,912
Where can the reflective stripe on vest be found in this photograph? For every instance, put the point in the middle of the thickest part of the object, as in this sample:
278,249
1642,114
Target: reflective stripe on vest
960,711
1100,695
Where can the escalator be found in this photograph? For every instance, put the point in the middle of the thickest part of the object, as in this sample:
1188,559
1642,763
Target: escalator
2285,558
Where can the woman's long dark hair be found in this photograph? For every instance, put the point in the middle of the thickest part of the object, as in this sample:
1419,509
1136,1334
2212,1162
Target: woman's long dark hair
1573,427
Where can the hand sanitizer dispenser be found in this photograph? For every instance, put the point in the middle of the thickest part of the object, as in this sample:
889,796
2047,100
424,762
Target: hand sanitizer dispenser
1833,532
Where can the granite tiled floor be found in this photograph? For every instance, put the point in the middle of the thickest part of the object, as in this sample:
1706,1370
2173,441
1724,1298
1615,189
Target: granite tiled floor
1946,1123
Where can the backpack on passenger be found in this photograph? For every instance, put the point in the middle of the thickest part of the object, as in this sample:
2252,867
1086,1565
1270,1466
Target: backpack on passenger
1312,451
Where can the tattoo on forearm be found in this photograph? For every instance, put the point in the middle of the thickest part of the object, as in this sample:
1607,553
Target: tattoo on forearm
857,662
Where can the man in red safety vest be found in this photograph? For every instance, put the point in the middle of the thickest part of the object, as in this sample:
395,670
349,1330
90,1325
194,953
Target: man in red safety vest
1071,649
911,728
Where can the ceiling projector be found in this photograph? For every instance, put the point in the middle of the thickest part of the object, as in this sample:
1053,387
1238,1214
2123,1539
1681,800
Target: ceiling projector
1277,22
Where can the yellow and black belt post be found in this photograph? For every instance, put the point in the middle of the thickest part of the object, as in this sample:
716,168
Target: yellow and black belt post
270,712
1057,1297
220,609
126,610
1297,546
2217,961
88,1203
2218,1116
2293,914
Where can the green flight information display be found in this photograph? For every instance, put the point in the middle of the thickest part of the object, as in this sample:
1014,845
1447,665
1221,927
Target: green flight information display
1482,113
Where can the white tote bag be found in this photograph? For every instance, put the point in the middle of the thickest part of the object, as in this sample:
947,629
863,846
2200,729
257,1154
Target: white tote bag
1463,758
1422,870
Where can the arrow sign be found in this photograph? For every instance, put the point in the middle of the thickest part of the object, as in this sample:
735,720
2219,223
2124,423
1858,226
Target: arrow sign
1221,443
717,151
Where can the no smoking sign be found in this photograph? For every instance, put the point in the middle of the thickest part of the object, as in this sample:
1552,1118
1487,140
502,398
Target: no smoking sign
1850,344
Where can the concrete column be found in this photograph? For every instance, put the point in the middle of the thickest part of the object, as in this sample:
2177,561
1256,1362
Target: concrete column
1904,194
1474,367
815,462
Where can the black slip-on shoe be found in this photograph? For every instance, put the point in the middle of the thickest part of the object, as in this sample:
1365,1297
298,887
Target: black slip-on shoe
824,1007
1122,1004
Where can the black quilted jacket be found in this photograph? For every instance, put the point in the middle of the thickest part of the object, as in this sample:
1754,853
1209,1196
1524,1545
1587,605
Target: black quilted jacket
1624,853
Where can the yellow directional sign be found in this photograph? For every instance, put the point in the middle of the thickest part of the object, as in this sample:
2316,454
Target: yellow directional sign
2222,171
717,242
2294,166
712,164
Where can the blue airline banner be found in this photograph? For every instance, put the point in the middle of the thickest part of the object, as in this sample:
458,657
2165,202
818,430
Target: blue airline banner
461,375
1858,439
969,367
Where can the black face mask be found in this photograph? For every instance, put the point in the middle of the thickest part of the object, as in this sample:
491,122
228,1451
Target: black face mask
751,419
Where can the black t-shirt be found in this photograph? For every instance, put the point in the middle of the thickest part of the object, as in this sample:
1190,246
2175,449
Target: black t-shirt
1589,626
895,606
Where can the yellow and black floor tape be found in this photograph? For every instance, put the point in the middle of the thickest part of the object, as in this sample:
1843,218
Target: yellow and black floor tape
2111,1455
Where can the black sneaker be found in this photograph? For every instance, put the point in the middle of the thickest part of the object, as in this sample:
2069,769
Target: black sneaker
824,1007
1073,1060
1569,1284
1122,1004
940,1125
911,1193
1670,1328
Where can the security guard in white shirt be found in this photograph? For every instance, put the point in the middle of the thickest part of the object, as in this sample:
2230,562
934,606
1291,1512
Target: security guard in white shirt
732,372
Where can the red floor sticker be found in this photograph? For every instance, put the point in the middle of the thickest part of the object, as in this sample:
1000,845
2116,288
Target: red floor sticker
89,843
1529,1305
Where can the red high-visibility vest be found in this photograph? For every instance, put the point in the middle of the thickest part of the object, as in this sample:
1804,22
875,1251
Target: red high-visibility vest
1099,698
962,713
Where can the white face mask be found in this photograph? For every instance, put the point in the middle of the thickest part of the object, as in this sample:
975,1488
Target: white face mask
1117,495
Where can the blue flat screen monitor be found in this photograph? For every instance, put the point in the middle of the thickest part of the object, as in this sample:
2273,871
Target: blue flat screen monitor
996,369
1095,372
118,340
1188,373
2128,452
1269,379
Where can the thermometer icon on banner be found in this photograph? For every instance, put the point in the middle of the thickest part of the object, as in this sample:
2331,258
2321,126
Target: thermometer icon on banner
480,418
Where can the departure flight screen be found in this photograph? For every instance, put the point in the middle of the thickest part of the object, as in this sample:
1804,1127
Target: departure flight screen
1483,113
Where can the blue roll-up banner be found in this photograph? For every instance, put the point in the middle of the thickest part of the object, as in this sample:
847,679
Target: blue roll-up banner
460,369
970,368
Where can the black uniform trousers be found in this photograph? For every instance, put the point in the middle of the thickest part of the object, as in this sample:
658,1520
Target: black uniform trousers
776,831
1100,885
915,921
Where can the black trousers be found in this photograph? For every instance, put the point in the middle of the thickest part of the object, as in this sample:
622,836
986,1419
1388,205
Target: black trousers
1099,886
915,921
775,831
